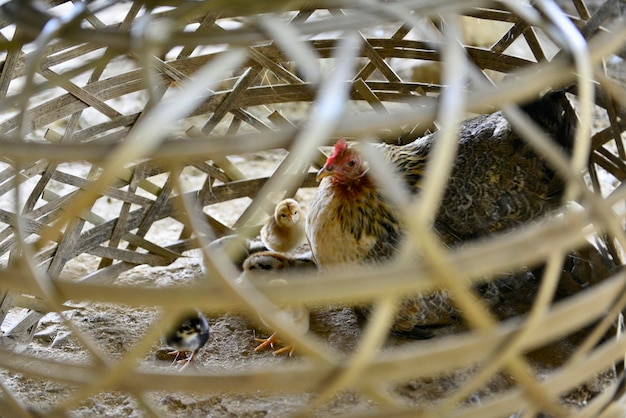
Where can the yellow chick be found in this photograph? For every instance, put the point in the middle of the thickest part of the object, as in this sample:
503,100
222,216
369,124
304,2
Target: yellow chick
284,231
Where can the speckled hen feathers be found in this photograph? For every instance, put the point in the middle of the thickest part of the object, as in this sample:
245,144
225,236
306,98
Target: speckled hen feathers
497,180
341,229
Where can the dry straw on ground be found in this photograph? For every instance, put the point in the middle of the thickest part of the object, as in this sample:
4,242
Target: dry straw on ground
108,107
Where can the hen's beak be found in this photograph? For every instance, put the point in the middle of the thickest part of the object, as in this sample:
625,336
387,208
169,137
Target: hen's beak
324,172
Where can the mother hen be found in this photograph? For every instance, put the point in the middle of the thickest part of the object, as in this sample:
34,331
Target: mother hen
497,182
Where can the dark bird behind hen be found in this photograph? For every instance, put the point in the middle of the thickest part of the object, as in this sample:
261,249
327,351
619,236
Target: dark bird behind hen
497,182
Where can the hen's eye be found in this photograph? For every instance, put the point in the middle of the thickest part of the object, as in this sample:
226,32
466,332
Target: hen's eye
351,163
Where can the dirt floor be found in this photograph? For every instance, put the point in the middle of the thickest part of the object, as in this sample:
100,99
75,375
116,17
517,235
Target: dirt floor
231,346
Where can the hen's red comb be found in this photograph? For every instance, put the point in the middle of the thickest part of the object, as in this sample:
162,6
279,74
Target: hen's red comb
340,146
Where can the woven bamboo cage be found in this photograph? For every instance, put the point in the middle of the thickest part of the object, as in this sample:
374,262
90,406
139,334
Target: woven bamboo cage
109,108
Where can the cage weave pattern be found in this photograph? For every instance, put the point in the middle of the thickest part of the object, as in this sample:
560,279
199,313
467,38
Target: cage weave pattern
135,101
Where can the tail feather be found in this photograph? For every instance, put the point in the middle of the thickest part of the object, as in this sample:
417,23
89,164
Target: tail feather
554,113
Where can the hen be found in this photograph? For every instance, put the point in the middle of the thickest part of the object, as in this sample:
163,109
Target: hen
284,231
497,182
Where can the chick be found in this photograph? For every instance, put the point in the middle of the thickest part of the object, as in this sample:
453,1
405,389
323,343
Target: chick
261,264
236,248
295,312
187,337
284,231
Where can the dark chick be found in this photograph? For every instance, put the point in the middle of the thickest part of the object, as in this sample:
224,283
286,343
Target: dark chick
187,337
497,182
261,267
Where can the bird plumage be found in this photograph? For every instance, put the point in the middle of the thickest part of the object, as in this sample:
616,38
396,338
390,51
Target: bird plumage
284,231
188,336
497,182
260,266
